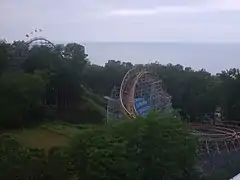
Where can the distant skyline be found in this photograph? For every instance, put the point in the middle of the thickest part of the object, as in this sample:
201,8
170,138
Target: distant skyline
122,20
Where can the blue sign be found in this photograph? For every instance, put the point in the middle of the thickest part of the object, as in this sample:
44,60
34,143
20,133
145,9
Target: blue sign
141,106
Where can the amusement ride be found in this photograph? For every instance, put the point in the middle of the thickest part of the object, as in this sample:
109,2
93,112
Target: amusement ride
22,48
141,91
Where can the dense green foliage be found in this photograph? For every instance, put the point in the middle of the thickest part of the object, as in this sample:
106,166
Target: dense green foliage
194,93
62,71
60,83
155,147
18,163
21,94
45,82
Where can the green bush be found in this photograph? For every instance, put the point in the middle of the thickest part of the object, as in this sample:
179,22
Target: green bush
155,147
60,166
17,163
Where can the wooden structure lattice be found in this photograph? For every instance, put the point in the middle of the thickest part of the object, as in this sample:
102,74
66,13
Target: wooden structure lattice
218,142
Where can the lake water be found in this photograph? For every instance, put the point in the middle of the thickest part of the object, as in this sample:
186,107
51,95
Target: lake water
213,57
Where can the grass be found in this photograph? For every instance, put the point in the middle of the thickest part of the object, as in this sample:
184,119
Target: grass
64,129
40,138
47,135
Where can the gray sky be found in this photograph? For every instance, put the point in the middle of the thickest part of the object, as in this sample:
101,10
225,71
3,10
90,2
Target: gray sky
122,20
86,21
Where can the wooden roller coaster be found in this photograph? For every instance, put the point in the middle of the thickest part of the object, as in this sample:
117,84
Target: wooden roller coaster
217,143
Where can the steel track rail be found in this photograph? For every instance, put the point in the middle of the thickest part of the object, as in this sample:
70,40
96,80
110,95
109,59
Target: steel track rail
42,39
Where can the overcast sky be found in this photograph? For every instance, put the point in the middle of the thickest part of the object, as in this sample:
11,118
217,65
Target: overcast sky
122,20
87,21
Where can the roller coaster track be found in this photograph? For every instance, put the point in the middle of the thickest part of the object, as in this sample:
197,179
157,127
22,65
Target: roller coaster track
123,88
213,138
39,39
45,40
129,85
216,143
216,139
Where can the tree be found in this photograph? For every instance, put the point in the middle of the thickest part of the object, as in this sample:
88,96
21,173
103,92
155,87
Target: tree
66,68
155,147
64,65
102,79
67,79
5,55
20,94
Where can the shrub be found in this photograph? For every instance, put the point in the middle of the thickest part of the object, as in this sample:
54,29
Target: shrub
60,166
155,147
17,163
